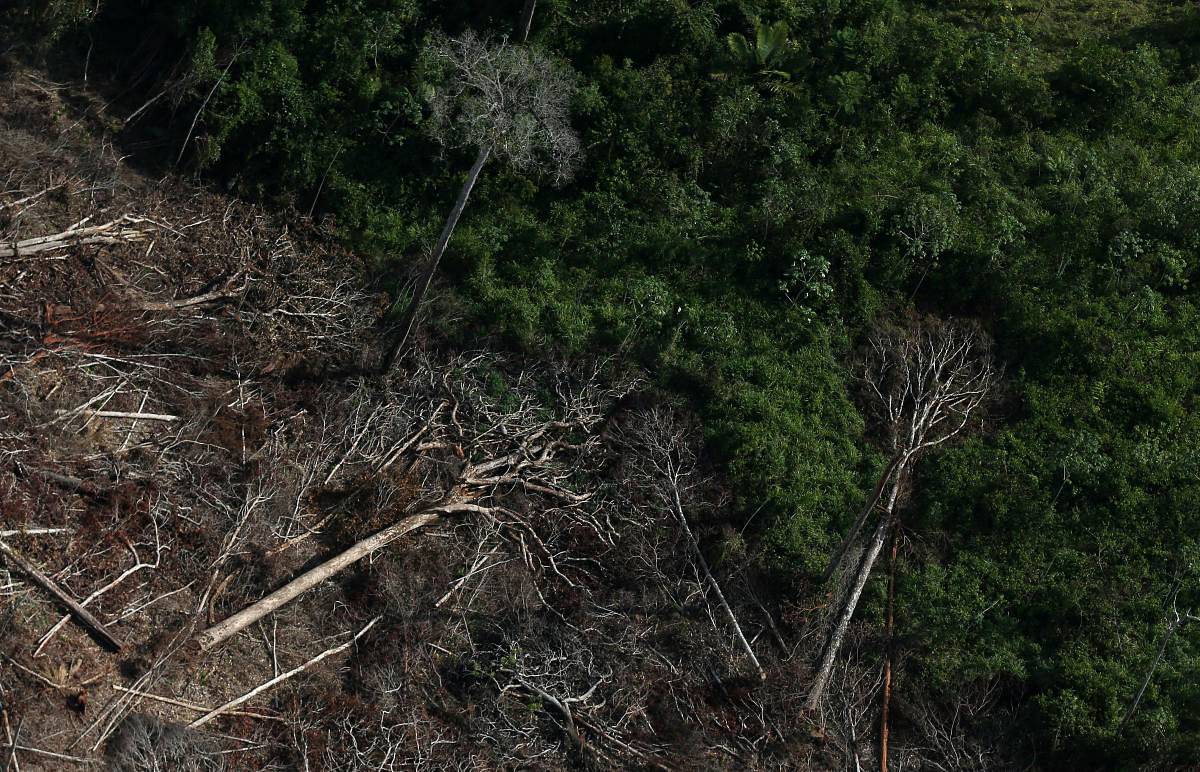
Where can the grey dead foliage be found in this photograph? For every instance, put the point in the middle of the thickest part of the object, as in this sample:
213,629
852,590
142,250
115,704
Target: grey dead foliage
513,100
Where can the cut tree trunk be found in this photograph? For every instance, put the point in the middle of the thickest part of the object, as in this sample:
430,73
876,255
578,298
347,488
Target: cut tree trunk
115,231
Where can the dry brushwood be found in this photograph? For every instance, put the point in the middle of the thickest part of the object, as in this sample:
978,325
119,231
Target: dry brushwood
553,613
209,716
143,743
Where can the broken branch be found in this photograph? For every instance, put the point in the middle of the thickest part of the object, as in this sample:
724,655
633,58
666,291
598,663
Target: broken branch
282,677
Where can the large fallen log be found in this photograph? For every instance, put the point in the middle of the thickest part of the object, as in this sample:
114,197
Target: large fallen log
311,578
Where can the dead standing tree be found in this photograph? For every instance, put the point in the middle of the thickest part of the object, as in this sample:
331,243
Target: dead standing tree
923,380
498,98
664,463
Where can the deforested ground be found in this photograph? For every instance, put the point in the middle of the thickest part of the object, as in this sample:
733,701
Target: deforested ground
192,415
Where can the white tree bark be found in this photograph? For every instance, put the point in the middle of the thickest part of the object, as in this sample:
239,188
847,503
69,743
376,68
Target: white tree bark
712,581
896,465
526,20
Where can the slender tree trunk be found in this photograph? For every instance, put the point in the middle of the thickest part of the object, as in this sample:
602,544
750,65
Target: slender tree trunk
712,580
209,716
410,316
887,665
897,464
1172,624
526,20
203,105
1153,666
834,640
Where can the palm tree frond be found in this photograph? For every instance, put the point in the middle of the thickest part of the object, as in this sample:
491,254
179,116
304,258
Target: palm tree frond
739,46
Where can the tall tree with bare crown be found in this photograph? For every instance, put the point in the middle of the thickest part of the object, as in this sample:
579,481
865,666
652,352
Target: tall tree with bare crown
502,99
923,379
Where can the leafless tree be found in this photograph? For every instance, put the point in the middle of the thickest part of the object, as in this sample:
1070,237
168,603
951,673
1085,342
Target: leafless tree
923,379
668,464
508,99
497,98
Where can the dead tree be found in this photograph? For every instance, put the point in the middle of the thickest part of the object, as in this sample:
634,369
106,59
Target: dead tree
309,579
497,98
923,380
669,470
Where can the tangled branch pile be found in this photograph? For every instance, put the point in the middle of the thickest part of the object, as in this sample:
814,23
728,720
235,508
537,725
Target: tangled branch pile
192,419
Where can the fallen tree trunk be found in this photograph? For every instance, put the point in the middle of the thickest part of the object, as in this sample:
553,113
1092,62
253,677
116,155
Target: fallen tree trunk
306,581
84,617
109,233
833,642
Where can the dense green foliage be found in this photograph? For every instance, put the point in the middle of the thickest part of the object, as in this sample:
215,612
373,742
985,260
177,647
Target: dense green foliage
762,178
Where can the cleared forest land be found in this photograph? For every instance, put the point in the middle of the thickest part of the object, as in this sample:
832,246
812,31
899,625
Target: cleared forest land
192,416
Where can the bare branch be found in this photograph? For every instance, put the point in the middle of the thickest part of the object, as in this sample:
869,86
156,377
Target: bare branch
281,677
